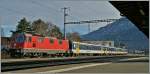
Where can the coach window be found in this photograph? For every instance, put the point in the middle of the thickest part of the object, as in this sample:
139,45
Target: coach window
73,45
106,49
112,49
88,47
76,45
96,48
84,47
80,46
91,47
99,48
102,48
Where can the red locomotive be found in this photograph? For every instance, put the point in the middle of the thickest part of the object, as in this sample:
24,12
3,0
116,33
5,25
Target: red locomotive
25,44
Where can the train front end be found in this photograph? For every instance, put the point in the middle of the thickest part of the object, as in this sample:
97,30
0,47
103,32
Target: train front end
17,43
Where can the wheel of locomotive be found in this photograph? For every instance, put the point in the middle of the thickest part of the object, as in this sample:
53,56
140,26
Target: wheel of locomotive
12,53
25,55
40,54
16,53
60,54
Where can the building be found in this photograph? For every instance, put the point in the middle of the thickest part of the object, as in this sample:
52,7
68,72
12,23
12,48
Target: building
5,42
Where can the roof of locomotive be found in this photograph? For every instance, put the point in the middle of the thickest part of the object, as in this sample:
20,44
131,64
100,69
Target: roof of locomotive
29,34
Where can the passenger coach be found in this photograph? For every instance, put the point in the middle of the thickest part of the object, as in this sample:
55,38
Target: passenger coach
92,49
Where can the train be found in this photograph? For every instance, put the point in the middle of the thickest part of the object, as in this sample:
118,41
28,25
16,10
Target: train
29,45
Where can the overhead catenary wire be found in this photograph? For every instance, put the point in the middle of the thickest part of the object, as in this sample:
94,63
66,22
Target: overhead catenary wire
43,6
16,11
48,7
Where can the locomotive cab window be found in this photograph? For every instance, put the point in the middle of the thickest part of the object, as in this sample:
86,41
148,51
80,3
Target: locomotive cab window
20,38
40,39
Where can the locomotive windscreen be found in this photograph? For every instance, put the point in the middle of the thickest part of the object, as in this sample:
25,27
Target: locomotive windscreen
20,38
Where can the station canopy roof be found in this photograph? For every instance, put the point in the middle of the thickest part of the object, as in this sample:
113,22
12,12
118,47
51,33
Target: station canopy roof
135,11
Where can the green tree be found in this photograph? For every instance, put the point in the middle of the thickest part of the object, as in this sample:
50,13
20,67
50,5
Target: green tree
23,26
46,29
40,27
73,36
55,32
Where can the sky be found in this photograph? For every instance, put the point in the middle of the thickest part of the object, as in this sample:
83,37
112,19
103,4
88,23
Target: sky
11,11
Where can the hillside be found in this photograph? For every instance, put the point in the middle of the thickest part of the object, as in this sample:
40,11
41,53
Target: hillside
120,31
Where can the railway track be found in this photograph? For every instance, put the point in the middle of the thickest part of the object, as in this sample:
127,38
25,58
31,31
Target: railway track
26,64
